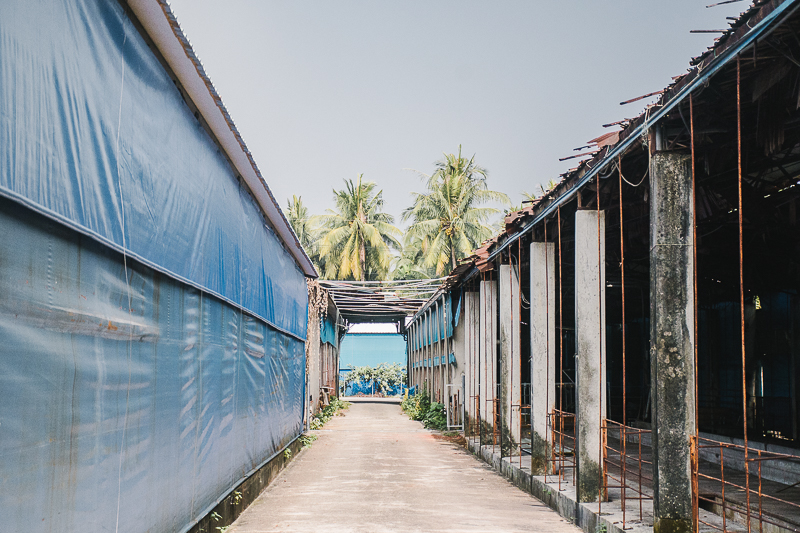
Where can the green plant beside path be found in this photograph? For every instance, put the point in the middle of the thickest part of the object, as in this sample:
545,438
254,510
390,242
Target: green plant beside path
328,412
431,414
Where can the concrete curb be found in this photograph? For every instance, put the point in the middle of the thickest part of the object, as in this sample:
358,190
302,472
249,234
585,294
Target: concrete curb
563,502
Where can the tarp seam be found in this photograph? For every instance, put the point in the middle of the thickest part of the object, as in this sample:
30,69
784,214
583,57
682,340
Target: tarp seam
57,217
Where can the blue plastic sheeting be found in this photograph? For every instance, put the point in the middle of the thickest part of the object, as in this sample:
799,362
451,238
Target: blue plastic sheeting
329,332
435,324
94,133
366,388
140,420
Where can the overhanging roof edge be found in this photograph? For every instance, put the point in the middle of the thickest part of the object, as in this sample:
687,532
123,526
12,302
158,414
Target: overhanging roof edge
162,27
620,148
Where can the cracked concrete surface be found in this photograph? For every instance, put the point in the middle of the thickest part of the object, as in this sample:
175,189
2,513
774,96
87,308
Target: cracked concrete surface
374,470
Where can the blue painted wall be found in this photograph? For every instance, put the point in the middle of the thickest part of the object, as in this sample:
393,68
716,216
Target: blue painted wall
371,349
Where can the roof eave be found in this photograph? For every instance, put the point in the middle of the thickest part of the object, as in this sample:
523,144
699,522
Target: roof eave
161,26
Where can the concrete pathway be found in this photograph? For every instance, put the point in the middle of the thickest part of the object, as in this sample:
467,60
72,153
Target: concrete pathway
375,470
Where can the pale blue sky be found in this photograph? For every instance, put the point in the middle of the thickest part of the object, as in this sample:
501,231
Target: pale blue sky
323,90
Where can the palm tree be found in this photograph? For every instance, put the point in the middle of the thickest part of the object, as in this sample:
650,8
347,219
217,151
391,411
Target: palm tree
356,237
446,220
297,214
527,199
409,265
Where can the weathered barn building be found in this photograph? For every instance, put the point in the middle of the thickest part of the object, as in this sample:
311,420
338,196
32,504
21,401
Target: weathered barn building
630,344
153,300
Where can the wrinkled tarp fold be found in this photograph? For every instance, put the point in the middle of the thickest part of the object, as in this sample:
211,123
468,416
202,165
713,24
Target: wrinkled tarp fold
159,411
136,390
95,133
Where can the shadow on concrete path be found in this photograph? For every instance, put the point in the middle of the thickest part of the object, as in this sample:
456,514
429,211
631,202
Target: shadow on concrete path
374,470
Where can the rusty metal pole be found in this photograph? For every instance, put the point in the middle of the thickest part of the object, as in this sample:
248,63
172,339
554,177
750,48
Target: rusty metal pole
695,462
547,348
519,332
741,282
760,507
601,377
624,459
722,482
561,356
483,375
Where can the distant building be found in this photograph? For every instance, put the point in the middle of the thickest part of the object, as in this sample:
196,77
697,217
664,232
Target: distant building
371,349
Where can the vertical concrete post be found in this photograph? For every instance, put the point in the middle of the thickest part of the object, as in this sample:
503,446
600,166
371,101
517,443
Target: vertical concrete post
417,357
543,350
442,352
428,351
412,364
590,348
510,364
470,321
672,339
488,349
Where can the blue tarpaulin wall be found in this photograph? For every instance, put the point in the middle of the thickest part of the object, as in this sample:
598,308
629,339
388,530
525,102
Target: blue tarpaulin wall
136,390
94,133
160,411
435,325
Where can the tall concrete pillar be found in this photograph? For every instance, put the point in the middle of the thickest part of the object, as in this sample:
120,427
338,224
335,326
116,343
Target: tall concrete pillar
412,347
510,364
488,349
442,349
590,348
470,320
543,350
672,339
428,351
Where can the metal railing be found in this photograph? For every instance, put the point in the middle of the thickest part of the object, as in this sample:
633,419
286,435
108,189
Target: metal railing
720,494
625,464
455,406
562,446
524,414
474,427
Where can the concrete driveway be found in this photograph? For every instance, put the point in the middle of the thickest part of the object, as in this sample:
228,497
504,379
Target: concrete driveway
374,470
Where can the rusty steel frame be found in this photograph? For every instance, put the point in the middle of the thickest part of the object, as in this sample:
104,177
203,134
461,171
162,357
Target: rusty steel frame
601,493
548,441
624,365
741,275
624,465
520,408
559,457
485,366
700,443
693,451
